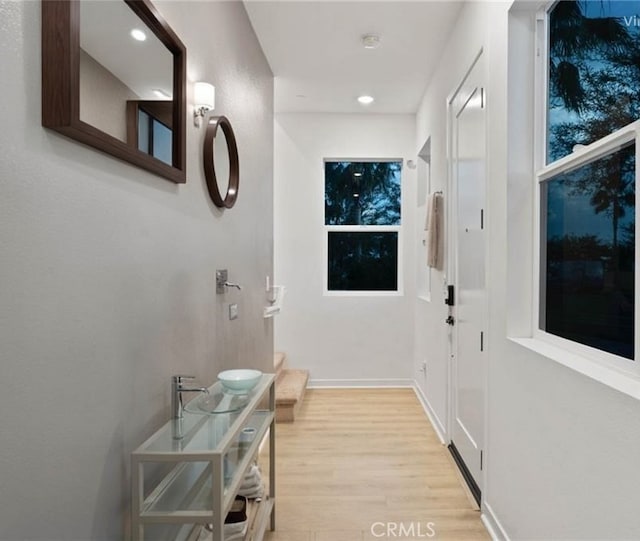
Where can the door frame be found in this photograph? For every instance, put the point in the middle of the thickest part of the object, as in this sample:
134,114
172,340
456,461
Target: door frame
451,277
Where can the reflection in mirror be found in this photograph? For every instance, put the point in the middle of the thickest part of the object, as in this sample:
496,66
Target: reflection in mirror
149,127
103,88
123,62
221,161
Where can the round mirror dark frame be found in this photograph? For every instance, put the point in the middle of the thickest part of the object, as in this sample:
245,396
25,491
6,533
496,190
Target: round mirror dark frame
209,162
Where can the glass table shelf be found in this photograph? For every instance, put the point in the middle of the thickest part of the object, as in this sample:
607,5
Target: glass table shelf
188,487
190,470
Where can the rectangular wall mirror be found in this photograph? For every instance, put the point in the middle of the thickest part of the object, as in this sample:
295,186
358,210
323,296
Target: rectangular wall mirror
114,77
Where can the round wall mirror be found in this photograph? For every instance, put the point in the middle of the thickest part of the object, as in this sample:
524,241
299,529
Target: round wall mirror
220,155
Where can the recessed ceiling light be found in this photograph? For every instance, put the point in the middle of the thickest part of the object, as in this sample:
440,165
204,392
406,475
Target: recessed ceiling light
365,100
370,41
138,34
357,174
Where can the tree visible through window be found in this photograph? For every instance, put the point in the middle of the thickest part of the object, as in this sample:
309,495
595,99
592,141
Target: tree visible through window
594,71
590,256
362,215
588,206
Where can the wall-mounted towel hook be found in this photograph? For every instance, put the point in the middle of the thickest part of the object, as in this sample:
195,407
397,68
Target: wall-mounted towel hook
275,296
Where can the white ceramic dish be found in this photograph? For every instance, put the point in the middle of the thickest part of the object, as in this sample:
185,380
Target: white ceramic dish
239,381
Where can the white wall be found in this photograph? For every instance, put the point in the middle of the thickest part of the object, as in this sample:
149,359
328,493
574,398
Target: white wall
107,280
342,339
103,98
431,344
561,448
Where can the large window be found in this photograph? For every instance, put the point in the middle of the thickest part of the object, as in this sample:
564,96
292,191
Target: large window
589,177
362,222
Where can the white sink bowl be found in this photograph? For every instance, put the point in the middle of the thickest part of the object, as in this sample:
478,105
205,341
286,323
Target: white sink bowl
239,381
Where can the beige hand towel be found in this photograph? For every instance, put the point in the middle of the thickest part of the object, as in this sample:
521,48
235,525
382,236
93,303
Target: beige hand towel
434,228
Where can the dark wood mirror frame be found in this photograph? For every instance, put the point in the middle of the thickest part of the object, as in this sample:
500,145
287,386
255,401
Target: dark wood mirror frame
61,85
208,156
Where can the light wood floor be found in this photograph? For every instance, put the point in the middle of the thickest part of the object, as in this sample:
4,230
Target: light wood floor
354,458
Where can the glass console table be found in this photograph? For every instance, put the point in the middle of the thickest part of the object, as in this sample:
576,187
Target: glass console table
187,474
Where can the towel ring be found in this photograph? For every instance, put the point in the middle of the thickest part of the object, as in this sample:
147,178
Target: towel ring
228,161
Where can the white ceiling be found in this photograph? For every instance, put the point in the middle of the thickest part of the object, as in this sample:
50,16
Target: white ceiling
140,65
320,65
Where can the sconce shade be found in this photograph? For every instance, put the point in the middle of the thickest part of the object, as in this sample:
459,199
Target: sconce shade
204,96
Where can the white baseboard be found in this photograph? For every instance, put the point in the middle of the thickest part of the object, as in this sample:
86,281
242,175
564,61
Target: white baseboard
492,524
358,383
431,414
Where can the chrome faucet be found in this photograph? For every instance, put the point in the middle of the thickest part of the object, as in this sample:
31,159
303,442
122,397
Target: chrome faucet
177,388
222,282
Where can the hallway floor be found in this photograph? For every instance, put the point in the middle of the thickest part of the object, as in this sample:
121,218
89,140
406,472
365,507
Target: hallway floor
365,464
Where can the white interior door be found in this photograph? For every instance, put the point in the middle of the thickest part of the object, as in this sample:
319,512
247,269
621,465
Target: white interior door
468,155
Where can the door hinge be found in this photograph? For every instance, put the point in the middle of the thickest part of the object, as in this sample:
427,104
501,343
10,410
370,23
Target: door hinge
481,218
481,98
481,340
481,461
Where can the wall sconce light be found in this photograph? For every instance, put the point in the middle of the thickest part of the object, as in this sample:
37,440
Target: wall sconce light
204,97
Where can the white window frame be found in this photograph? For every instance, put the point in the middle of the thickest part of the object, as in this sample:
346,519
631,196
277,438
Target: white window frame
543,172
399,291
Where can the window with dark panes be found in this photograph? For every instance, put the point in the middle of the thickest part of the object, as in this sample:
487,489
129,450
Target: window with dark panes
588,185
154,137
362,222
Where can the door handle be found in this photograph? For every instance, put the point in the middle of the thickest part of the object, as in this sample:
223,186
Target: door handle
450,321
450,298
